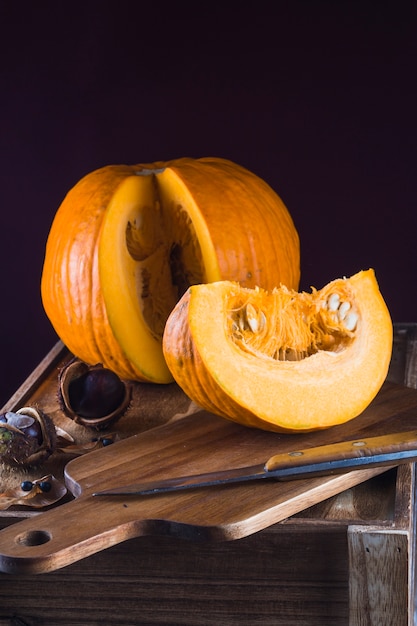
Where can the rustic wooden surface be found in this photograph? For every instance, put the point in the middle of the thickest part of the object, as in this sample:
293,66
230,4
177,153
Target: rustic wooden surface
379,559
193,444
294,573
271,578
151,406
382,563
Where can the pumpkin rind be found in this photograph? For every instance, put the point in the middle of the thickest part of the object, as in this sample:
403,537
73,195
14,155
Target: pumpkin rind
235,226
70,285
331,386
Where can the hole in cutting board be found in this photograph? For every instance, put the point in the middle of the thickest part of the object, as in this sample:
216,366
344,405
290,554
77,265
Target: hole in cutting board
34,538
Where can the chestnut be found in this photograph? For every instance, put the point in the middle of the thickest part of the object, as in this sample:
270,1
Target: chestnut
27,437
92,395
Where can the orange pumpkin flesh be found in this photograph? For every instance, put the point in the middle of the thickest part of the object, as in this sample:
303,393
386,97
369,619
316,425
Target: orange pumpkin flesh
281,361
128,241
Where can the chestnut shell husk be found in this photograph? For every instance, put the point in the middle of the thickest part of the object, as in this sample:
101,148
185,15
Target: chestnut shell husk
110,405
22,454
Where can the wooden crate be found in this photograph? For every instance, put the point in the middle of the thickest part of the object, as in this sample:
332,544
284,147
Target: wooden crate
348,560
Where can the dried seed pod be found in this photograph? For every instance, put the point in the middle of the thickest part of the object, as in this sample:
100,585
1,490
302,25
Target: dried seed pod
27,437
93,396
37,494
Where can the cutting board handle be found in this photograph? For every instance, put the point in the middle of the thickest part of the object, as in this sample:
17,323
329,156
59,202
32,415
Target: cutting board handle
61,536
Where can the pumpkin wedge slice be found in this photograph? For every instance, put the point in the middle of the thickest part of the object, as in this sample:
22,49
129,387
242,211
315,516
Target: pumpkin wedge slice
281,360
128,241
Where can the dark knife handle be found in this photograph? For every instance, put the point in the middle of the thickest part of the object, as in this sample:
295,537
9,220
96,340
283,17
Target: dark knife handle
383,450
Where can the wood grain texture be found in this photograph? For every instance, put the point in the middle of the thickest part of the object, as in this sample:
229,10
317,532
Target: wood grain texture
293,573
197,443
379,576
187,444
279,577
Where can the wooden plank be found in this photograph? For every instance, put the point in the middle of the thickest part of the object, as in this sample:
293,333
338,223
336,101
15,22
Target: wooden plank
382,562
294,573
382,586
189,444
273,578
379,576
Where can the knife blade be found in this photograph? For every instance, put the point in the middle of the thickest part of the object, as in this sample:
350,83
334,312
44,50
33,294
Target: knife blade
385,450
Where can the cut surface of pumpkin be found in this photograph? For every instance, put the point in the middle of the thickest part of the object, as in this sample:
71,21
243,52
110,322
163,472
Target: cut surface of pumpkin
281,360
128,241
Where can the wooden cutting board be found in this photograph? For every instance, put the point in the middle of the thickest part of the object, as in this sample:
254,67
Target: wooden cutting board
198,443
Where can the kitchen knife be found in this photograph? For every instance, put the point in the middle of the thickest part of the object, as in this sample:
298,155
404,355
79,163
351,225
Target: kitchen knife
389,450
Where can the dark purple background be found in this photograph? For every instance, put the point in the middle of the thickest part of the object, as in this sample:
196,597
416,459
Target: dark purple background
317,98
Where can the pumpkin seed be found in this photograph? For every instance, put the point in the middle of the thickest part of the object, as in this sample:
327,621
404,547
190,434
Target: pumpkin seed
343,309
333,302
351,321
252,318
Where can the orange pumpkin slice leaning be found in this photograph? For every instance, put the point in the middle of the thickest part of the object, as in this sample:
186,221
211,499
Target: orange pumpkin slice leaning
281,360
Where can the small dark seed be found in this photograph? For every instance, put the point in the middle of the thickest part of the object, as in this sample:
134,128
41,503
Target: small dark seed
45,486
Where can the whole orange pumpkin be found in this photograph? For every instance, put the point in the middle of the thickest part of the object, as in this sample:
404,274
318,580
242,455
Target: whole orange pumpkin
127,242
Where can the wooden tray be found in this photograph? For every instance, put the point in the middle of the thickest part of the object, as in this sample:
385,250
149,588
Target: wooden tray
160,436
